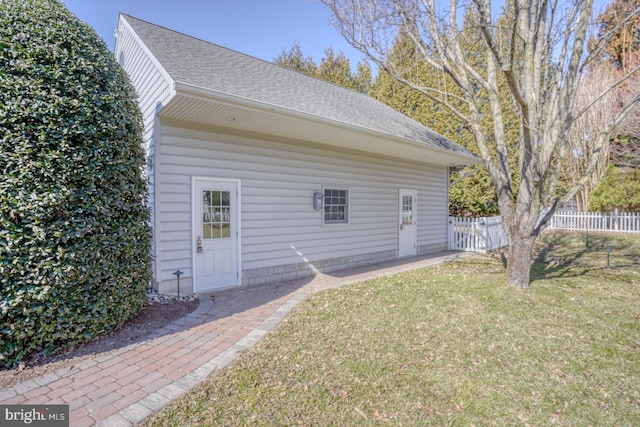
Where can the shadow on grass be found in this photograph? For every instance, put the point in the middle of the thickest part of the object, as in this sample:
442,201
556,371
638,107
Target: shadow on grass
563,255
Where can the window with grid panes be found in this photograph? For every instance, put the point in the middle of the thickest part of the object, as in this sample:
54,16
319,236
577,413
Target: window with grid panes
216,218
336,206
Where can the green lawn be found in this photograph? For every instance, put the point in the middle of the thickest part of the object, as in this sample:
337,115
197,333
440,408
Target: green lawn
448,345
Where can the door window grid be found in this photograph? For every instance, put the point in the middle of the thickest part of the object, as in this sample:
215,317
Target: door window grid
216,214
336,206
407,210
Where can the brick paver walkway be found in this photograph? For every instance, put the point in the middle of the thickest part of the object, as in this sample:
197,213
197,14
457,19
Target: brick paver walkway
124,386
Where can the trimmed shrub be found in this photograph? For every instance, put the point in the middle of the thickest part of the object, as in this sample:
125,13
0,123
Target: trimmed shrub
74,234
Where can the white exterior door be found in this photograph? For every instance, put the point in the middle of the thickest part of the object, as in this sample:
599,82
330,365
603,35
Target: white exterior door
216,234
407,220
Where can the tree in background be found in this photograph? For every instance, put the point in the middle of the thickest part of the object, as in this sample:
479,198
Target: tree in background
334,68
74,237
295,60
539,52
618,36
625,151
620,190
618,33
583,133
622,49
364,77
470,191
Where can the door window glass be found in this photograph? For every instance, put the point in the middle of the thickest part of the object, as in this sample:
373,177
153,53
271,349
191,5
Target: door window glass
407,210
216,214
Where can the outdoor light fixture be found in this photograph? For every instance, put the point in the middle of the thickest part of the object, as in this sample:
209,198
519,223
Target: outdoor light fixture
317,200
178,273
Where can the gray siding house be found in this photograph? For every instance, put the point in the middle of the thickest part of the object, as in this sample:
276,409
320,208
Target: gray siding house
260,174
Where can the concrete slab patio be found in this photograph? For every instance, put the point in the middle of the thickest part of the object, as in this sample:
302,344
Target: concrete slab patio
124,386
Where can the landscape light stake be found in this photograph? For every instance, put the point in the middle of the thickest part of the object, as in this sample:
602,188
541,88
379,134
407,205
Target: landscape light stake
178,273
608,254
587,238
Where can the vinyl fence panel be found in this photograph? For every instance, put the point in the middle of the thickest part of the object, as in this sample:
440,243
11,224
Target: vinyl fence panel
622,222
486,234
476,234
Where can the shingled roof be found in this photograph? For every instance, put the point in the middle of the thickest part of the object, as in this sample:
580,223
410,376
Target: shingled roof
207,66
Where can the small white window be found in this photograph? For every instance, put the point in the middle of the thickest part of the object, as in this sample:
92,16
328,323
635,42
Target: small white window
336,206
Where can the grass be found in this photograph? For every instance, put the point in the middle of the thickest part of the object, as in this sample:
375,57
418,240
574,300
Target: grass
448,346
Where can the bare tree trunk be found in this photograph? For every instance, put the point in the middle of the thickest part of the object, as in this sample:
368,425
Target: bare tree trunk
519,223
519,260
582,199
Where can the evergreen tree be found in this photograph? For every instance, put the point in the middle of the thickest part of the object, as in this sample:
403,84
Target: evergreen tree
294,59
364,77
471,191
334,68
620,190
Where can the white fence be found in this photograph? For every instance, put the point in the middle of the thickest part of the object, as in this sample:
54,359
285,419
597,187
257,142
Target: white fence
619,222
487,233
476,234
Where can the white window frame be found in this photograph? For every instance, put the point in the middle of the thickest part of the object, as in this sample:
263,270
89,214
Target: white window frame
348,206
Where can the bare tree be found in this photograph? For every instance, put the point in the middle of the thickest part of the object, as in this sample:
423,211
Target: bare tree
628,154
539,51
585,128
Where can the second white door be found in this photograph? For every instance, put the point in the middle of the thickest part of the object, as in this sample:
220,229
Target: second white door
407,219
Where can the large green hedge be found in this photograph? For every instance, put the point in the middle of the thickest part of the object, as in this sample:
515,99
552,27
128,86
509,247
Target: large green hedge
74,234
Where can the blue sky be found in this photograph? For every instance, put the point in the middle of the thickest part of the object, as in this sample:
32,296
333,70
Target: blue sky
261,28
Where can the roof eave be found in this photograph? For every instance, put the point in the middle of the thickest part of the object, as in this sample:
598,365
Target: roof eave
194,91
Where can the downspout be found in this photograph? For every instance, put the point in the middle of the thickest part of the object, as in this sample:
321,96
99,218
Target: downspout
447,208
152,162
